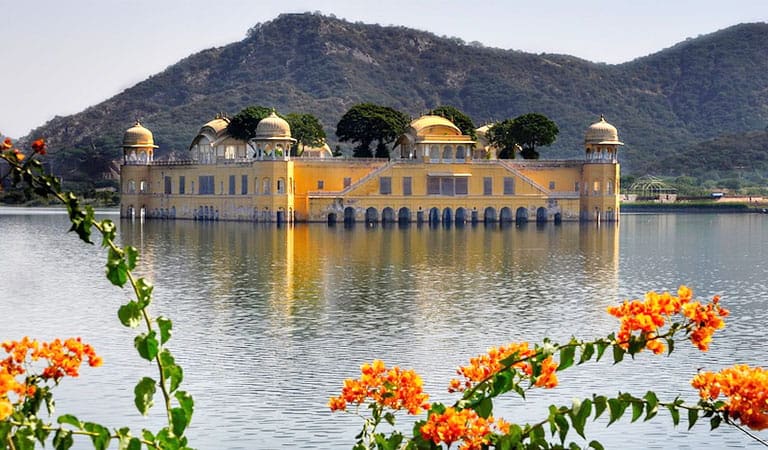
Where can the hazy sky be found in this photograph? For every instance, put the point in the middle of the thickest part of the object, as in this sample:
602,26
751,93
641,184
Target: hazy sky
61,56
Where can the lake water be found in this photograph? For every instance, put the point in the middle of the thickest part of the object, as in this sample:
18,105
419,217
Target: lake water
269,321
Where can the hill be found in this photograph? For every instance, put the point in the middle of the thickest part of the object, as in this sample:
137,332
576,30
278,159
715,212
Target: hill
695,91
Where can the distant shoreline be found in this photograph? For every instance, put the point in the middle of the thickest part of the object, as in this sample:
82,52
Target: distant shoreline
693,208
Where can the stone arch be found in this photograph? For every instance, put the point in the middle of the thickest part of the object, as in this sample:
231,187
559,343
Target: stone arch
521,215
434,215
349,214
371,215
404,215
332,218
541,215
461,215
558,218
489,215
447,215
505,215
388,215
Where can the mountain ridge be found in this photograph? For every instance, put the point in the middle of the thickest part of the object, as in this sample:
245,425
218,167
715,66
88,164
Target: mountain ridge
691,92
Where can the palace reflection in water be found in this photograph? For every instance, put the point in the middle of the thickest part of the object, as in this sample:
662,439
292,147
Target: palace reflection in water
287,265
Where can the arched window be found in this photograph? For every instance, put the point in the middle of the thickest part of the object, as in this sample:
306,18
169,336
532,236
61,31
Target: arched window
460,152
434,153
131,187
143,186
595,187
229,152
267,188
447,153
609,187
281,185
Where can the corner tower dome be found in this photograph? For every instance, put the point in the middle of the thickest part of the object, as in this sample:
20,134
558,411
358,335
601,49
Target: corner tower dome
602,133
138,137
273,126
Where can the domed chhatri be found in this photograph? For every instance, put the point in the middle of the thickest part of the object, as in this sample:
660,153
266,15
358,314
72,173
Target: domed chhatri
602,132
601,142
138,137
138,145
273,127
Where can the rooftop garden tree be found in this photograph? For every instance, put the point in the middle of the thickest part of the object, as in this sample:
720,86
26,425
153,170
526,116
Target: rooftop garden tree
365,123
528,131
307,130
243,124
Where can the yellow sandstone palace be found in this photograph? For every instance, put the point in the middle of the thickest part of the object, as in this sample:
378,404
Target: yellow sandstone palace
434,174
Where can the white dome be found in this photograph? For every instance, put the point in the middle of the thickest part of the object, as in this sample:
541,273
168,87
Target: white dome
602,132
273,126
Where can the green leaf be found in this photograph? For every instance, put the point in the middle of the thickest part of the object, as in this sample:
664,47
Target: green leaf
618,353
144,291
147,345
693,416
566,357
101,438
484,408
69,419
389,418
147,435
601,347
675,414
144,392
41,432
596,445
5,428
653,405
600,404
62,439
180,421
131,256
165,326
579,419
117,272
637,410
130,314
616,408
134,444
108,232
586,353
502,382
562,427
715,421
171,371
187,403
670,345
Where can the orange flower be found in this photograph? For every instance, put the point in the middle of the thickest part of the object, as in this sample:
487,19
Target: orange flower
746,389
393,388
6,408
483,366
19,156
547,378
464,425
38,146
650,315
7,143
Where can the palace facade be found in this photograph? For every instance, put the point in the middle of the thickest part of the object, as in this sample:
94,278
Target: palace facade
434,174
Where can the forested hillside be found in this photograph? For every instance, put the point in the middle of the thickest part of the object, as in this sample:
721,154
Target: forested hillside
667,106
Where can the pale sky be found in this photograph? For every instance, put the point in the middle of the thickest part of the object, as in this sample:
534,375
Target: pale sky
61,56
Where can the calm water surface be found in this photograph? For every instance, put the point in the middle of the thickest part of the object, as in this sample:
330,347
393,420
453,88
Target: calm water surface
268,321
